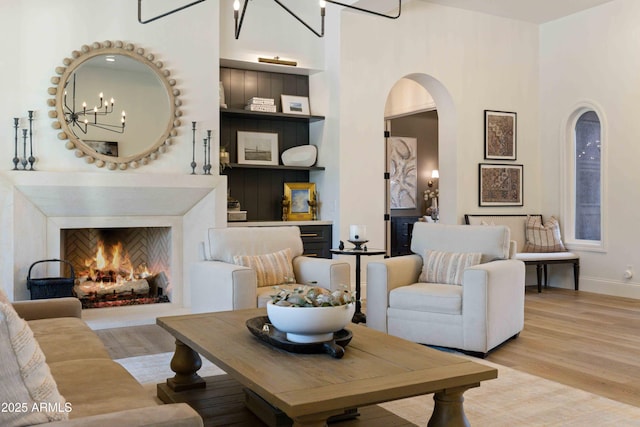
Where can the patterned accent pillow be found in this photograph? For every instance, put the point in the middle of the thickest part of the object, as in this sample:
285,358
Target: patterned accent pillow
26,378
542,238
272,269
447,267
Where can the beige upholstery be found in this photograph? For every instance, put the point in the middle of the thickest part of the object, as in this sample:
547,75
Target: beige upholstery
100,391
218,285
486,310
516,224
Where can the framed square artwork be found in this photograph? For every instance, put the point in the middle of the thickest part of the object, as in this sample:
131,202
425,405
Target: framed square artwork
257,148
299,194
500,131
295,105
500,185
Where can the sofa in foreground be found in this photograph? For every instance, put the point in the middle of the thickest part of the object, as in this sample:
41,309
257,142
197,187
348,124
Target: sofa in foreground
85,386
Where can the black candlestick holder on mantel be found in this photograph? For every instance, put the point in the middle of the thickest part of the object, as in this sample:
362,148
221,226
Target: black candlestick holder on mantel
206,166
25,159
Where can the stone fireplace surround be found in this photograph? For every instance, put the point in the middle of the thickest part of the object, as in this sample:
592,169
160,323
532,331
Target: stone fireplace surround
37,205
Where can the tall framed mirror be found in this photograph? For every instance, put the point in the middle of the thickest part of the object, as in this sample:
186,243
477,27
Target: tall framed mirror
115,105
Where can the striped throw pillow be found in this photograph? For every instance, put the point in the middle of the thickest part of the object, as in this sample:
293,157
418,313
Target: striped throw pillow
447,267
542,238
272,269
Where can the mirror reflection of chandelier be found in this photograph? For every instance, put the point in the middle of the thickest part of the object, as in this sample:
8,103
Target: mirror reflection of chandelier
82,119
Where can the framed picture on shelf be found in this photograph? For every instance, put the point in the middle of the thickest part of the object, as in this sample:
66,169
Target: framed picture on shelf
299,194
257,148
295,105
500,185
108,148
500,129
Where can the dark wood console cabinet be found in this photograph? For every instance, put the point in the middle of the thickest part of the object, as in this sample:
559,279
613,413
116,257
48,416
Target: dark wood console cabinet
401,231
316,240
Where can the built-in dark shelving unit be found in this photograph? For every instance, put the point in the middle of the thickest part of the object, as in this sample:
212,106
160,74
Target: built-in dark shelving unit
260,188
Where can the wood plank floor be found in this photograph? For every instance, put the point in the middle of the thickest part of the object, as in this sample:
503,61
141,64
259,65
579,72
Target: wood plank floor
584,340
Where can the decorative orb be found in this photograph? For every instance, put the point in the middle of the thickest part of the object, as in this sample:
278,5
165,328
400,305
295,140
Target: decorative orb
310,324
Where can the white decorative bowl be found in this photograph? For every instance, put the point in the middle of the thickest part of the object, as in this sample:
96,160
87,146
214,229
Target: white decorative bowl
303,155
310,324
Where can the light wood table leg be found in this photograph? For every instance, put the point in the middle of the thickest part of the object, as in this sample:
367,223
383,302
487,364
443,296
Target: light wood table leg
185,363
448,409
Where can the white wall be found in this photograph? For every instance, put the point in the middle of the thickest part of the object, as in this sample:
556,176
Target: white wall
269,31
472,62
38,34
594,57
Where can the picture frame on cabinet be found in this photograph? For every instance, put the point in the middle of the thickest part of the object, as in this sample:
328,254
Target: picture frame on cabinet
299,194
500,135
295,105
257,148
500,185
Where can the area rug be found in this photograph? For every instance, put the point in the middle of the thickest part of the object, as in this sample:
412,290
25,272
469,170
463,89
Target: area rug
513,399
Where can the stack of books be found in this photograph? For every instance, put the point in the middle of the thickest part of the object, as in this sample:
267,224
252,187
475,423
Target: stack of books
267,105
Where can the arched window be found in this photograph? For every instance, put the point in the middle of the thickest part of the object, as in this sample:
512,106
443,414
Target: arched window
588,167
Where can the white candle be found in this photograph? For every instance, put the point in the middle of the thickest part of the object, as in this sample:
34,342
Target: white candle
357,232
434,203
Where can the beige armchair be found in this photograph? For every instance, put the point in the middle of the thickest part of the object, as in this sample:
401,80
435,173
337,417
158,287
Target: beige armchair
483,311
218,284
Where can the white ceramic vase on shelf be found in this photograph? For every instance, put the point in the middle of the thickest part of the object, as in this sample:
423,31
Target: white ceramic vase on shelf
303,155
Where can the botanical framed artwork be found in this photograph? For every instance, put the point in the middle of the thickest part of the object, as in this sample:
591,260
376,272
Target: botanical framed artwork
257,148
403,172
295,105
501,185
500,132
299,194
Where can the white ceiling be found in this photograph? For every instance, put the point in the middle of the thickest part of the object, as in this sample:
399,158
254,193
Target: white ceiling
535,11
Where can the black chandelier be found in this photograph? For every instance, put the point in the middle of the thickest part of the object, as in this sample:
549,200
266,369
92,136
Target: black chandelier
83,119
239,17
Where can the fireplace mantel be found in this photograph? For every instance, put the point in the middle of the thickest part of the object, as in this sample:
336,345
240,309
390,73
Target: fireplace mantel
61,194
37,205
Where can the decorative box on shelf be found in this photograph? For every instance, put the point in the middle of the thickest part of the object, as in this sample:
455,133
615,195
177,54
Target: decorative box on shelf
234,216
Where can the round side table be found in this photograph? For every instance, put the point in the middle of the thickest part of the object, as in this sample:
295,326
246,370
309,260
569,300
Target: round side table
358,316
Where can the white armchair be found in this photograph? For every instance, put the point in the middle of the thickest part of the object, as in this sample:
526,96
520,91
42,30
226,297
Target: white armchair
476,316
217,284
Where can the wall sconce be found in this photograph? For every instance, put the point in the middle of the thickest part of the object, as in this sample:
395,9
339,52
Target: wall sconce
434,175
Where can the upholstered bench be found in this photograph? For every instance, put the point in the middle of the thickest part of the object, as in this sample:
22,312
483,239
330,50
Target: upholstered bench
517,225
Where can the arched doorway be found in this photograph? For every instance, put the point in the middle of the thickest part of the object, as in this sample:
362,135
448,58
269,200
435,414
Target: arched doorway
419,116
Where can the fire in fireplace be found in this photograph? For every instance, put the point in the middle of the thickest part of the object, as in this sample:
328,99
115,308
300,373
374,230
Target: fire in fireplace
119,266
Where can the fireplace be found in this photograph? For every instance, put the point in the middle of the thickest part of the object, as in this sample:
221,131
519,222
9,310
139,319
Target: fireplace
42,204
119,266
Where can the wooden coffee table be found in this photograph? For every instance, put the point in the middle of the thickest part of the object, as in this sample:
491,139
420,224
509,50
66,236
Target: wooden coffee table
310,388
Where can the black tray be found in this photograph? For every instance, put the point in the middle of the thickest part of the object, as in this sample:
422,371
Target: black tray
278,339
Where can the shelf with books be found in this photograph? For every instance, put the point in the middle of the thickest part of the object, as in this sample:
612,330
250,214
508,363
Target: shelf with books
237,112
